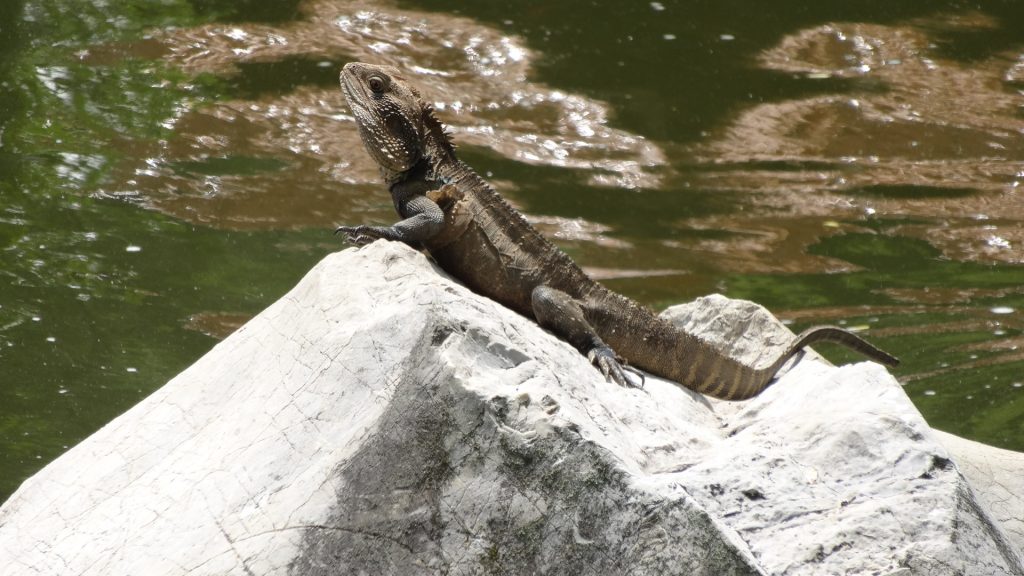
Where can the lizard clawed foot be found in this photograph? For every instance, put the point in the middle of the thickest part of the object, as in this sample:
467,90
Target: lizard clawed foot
358,235
637,373
613,367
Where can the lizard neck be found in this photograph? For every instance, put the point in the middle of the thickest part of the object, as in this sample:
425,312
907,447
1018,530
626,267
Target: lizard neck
416,180
436,167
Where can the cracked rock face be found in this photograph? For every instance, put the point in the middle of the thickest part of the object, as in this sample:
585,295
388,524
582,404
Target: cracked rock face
380,419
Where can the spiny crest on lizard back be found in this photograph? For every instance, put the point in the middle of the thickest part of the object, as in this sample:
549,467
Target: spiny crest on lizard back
437,132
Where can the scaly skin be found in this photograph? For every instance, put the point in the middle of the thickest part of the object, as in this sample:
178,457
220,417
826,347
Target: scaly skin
475,236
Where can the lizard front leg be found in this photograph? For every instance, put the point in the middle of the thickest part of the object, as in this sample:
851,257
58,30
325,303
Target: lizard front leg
423,219
563,315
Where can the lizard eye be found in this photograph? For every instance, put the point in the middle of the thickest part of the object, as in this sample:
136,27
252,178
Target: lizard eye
377,84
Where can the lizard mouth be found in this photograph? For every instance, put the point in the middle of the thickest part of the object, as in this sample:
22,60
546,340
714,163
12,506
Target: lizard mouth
351,90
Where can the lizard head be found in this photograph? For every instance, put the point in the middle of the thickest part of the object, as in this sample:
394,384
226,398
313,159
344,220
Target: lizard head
389,114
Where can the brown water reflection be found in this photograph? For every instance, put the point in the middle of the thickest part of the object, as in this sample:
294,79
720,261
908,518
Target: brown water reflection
918,135
765,244
928,143
292,158
909,133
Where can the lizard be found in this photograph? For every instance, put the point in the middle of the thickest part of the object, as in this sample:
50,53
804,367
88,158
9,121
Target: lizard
478,238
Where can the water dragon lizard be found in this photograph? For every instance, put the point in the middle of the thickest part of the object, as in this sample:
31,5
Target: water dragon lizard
478,238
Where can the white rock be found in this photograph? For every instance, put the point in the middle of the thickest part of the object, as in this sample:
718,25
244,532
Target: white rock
997,477
380,419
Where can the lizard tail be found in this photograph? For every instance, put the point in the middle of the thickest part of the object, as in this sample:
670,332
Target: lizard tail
749,383
844,337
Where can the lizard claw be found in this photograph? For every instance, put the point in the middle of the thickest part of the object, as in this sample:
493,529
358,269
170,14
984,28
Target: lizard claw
637,373
357,235
613,368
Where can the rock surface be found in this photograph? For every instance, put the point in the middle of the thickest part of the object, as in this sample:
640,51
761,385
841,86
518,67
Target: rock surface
997,477
381,419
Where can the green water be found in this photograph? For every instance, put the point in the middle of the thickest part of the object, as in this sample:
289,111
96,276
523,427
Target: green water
113,279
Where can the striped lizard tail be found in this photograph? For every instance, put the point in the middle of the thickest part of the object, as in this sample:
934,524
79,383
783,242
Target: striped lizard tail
750,382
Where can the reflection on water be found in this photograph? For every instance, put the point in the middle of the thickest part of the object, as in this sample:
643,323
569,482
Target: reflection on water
283,101
914,134
168,169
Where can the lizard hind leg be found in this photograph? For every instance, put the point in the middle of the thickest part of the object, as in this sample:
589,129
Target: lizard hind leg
563,315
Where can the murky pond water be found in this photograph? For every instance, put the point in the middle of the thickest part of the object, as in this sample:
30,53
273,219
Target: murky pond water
168,169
